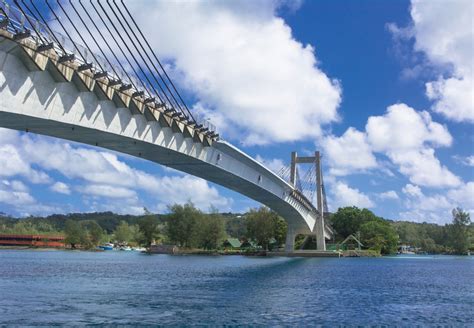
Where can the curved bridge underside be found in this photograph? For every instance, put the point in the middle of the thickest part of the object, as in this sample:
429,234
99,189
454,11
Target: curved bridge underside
41,95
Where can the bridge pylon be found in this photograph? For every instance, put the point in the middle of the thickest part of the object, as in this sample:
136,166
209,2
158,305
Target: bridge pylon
318,229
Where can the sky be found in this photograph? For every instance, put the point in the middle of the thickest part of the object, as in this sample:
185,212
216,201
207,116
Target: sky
384,89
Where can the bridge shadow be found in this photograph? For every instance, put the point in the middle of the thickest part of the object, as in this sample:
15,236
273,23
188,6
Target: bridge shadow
106,112
68,94
17,76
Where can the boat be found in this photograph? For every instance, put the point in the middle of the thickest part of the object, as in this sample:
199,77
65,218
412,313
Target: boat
125,248
106,247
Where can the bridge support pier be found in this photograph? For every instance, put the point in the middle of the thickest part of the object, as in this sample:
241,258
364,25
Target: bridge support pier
290,240
320,240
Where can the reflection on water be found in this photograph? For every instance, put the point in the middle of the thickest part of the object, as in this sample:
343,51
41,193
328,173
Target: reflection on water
44,288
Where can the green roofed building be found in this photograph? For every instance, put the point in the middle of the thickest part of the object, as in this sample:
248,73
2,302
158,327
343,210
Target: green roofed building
232,243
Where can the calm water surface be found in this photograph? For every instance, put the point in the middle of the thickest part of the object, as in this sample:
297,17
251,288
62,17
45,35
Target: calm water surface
57,287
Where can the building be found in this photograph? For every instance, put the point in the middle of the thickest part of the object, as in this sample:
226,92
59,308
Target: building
32,240
231,243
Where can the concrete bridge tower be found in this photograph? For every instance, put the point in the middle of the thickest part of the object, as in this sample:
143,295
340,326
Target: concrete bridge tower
319,225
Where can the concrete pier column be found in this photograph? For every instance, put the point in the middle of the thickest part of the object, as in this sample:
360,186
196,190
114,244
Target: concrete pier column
320,240
290,240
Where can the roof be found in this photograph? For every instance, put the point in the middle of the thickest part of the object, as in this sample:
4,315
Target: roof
353,238
234,242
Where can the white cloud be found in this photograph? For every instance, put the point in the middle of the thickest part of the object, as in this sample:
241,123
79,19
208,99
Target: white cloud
391,194
13,163
423,168
343,195
454,98
436,207
463,196
243,64
61,187
468,161
179,190
107,191
15,193
403,128
444,32
405,136
412,190
349,153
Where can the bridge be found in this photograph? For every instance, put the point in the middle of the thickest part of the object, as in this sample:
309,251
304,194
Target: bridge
52,84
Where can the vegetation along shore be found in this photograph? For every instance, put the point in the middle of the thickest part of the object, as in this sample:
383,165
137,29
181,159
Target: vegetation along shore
191,231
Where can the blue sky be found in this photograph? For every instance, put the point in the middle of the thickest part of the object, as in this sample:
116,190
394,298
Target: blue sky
383,88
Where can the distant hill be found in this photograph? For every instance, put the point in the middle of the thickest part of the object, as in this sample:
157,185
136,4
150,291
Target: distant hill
107,220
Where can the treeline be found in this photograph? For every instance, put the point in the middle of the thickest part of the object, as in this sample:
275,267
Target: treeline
184,225
456,237
188,227
384,236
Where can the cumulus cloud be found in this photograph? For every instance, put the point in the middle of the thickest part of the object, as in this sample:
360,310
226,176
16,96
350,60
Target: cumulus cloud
61,187
412,190
349,153
15,193
436,207
403,128
12,163
391,194
407,137
443,33
244,66
343,195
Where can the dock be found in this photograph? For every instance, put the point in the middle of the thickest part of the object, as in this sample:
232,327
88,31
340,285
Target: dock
306,253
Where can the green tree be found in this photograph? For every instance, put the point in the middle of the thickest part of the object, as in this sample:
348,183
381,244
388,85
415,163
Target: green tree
95,233
348,220
181,224
75,233
123,233
380,236
148,227
136,234
458,231
210,231
236,227
281,228
263,225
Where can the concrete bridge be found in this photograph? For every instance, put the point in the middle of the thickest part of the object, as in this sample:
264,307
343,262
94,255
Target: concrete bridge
42,93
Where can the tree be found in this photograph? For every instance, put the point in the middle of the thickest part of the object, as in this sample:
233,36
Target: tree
210,231
281,228
380,236
75,233
236,227
348,220
123,233
263,225
148,227
94,233
181,224
458,231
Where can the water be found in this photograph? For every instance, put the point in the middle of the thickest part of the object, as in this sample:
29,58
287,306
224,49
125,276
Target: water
77,288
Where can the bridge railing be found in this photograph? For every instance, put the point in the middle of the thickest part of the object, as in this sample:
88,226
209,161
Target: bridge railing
20,22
